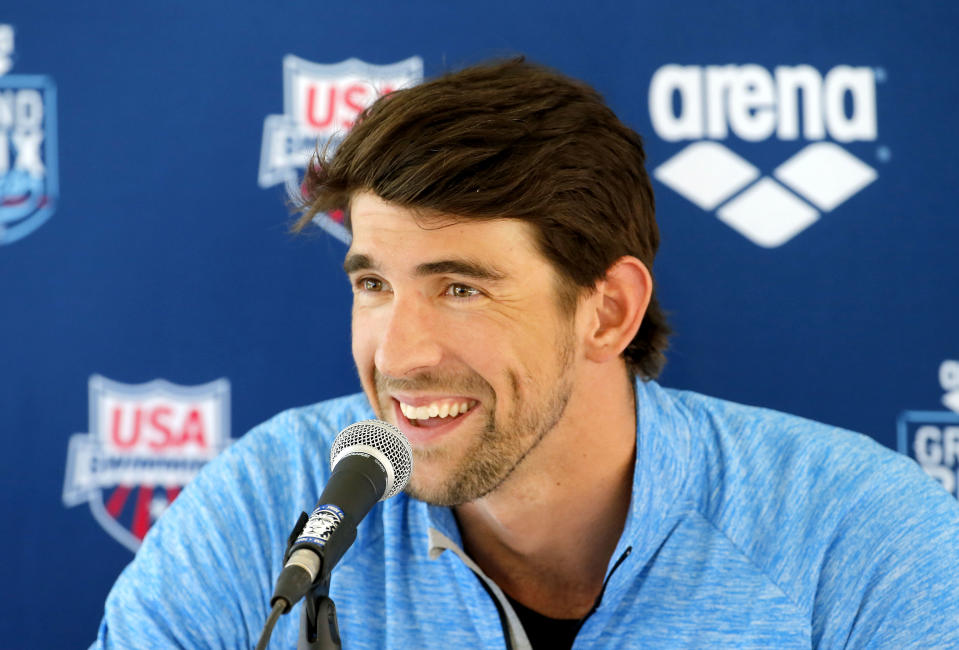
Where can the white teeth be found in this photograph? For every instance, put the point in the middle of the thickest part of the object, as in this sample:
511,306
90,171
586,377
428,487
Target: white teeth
436,409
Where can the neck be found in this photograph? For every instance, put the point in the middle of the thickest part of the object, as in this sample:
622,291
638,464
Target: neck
546,535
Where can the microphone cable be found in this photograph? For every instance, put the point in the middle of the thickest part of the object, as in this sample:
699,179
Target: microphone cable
271,623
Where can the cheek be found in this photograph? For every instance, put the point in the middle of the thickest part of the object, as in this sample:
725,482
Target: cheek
364,346
539,356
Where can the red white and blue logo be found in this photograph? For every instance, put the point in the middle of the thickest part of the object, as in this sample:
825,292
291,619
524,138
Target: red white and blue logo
28,147
321,101
145,442
931,437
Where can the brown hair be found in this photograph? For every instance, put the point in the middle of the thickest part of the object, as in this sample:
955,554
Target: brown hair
509,140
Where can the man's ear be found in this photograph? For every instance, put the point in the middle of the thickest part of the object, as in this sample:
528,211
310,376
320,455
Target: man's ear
618,306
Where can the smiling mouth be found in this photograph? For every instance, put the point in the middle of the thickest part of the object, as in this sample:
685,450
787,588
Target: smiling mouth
436,413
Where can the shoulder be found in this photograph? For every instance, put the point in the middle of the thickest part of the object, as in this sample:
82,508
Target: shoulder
274,471
292,445
761,447
843,525
758,464
316,423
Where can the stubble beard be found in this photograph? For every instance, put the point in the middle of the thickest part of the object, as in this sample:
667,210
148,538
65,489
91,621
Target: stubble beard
498,449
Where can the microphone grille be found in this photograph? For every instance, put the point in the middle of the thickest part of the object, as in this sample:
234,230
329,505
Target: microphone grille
384,438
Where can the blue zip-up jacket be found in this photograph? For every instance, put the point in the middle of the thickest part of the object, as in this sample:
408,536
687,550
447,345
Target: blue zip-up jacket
747,529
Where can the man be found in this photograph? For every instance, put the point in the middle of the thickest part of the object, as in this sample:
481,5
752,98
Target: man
505,320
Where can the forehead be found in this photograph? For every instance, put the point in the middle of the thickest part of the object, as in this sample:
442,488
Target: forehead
387,233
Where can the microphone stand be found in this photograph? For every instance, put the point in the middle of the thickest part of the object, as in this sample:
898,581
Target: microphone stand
319,629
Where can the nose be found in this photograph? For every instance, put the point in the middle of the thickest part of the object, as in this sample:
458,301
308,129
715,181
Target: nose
410,340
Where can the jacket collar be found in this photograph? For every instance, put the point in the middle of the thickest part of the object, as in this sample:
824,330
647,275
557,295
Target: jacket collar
660,476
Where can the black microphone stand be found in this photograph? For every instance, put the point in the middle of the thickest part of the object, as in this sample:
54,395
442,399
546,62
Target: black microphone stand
319,629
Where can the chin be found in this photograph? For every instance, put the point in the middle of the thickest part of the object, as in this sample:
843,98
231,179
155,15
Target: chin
433,497
430,483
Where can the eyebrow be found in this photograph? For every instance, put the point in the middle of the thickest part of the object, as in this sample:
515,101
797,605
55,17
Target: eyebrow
356,262
359,262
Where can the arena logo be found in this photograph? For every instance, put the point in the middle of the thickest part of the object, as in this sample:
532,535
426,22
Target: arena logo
28,147
711,103
145,442
320,104
932,437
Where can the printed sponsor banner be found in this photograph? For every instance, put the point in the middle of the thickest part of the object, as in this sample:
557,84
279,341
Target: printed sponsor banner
145,442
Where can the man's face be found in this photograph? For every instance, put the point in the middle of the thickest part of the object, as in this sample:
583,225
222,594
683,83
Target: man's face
460,341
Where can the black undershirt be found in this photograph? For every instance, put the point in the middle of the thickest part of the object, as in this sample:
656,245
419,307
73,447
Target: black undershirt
544,632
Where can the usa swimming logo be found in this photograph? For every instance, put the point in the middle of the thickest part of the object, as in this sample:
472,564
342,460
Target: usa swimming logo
144,443
931,438
320,104
28,147
705,105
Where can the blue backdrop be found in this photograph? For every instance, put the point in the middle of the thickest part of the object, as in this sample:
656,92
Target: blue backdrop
805,167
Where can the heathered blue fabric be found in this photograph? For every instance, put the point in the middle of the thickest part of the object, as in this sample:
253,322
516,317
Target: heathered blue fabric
747,528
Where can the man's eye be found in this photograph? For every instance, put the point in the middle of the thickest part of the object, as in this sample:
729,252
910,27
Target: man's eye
371,284
461,291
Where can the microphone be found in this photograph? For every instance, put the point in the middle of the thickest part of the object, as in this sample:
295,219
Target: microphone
371,461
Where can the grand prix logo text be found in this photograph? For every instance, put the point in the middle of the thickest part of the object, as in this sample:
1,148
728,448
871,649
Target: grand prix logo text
28,147
930,437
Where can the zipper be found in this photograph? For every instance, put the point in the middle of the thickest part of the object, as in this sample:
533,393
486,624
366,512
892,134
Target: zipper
599,599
